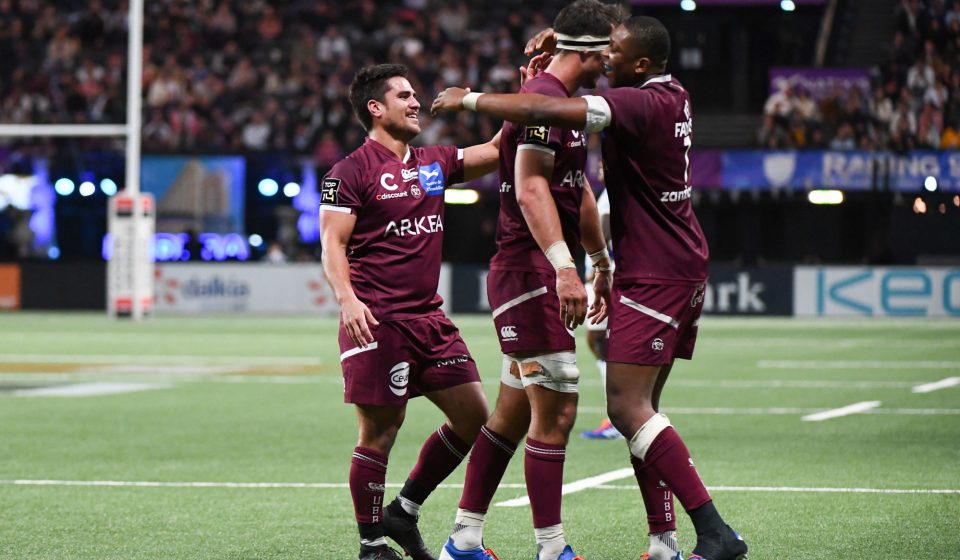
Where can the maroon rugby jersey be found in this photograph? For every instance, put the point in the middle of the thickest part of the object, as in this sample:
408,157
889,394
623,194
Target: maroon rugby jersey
395,248
646,154
516,247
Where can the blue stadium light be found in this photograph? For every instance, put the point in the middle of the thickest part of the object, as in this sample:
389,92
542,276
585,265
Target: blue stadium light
787,5
291,190
268,187
688,5
255,240
108,187
87,188
63,186
53,252
930,183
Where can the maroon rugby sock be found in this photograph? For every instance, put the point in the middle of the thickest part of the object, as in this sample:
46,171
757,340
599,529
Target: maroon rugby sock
657,498
543,469
368,473
670,461
488,461
440,455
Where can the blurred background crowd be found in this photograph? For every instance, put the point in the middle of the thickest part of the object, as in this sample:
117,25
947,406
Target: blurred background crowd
231,75
914,102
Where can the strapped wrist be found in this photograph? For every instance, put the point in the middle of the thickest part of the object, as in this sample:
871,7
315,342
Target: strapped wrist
559,256
470,100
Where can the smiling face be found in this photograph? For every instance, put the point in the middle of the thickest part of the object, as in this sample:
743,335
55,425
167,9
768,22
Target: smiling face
622,61
398,113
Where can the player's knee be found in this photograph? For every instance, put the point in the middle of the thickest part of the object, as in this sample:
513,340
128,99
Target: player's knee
642,440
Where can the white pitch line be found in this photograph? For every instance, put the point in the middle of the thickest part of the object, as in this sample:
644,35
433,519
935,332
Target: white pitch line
156,359
857,364
724,411
88,389
842,411
575,486
937,385
159,484
344,485
812,490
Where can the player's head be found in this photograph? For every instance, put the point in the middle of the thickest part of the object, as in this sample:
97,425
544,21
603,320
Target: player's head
382,97
583,30
639,49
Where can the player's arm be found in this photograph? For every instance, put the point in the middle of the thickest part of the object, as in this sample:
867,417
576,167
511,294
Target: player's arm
595,244
590,113
335,231
532,170
481,159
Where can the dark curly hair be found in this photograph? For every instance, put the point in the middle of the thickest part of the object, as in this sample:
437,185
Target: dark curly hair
371,83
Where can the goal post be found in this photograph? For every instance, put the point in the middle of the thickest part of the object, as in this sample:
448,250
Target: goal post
132,216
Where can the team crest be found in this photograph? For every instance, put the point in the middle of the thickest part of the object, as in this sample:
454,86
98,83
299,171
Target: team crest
657,345
328,194
415,191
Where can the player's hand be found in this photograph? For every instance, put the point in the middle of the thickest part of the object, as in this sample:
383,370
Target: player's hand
545,41
450,99
600,309
533,68
357,320
573,298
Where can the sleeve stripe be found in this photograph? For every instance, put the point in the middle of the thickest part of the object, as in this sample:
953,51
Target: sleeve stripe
537,147
330,208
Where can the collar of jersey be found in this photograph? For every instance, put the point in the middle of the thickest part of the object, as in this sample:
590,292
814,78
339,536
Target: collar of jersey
386,150
661,79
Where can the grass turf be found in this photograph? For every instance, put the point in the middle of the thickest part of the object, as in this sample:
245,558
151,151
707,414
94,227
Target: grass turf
259,399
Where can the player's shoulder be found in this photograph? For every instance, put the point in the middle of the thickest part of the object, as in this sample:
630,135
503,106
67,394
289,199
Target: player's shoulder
352,167
431,153
545,84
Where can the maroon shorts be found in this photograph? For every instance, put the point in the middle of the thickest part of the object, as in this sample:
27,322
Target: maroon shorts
526,312
652,324
407,359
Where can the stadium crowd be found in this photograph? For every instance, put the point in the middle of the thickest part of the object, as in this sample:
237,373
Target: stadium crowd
231,75
914,102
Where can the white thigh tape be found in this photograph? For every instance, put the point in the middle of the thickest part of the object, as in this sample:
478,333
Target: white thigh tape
507,377
642,440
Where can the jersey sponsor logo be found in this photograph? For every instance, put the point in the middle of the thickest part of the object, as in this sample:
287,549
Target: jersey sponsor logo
414,226
374,487
657,345
453,361
508,333
577,139
399,379
505,187
328,192
573,179
409,174
676,196
388,196
431,178
536,134
385,181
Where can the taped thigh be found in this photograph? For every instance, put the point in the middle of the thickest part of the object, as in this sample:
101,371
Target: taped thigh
510,373
642,440
557,371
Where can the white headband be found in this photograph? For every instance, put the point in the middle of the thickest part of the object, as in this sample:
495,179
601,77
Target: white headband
584,43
